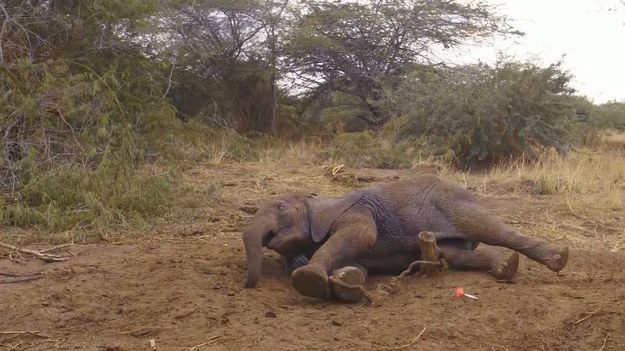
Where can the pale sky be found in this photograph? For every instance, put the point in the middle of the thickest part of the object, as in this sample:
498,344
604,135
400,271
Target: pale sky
589,35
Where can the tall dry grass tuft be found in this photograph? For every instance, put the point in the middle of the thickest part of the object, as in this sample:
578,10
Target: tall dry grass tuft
588,179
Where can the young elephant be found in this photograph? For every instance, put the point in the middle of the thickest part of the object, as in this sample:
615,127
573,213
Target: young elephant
378,228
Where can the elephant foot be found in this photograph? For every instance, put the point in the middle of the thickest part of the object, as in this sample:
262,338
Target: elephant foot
311,281
557,257
506,269
353,279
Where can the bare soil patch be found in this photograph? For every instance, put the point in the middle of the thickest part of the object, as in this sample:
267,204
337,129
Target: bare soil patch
181,285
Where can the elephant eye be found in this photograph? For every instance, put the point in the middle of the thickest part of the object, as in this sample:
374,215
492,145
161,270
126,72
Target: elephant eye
281,207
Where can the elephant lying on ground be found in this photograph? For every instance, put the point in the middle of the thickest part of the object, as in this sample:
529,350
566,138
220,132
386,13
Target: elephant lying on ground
378,228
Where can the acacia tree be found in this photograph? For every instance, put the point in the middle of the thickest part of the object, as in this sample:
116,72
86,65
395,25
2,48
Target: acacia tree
355,47
226,57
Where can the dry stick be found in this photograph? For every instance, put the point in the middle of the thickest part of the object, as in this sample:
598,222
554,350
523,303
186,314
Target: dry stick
56,248
210,341
588,316
14,347
141,331
22,332
20,279
42,256
408,344
604,341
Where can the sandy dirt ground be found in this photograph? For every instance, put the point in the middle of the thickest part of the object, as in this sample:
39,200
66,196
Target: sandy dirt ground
180,287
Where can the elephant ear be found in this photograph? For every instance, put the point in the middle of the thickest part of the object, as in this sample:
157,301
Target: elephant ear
325,210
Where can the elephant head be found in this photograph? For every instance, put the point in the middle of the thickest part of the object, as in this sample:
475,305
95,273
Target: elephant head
291,225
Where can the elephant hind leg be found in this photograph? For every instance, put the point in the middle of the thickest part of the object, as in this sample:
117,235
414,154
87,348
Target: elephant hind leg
476,223
502,264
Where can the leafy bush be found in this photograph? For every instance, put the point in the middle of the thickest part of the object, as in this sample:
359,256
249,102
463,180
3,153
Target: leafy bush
486,114
79,111
72,196
610,115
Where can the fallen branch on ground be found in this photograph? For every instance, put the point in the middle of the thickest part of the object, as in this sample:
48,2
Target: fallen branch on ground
39,254
24,332
14,278
56,248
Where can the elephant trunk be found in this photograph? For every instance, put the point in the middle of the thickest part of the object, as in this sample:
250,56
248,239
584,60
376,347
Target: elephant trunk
253,241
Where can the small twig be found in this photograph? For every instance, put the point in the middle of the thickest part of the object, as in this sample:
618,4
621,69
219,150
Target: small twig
19,278
210,341
588,316
16,260
359,306
171,73
24,332
14,347
40,255
56,248
32,346
141,331
408,344
604,341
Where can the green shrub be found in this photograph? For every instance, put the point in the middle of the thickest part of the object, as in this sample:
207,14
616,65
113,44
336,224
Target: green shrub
609,115
73,196
485,114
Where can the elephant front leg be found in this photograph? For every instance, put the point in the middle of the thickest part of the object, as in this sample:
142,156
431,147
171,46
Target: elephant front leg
351,239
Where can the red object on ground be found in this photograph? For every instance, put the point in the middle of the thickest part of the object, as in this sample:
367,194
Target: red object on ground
459,292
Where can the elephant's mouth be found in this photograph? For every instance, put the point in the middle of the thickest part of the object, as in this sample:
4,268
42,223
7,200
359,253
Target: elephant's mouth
268,238
274,242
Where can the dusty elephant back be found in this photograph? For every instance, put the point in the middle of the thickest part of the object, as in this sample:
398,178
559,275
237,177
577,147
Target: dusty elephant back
404,208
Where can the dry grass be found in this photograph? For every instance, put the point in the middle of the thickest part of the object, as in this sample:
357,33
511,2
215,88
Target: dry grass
588,180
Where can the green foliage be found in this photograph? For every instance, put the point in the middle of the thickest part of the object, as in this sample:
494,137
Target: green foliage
72,196
355,46
609,115
80,110
487,114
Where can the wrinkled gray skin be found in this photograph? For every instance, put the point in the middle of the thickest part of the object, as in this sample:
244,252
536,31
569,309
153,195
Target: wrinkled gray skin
378,228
